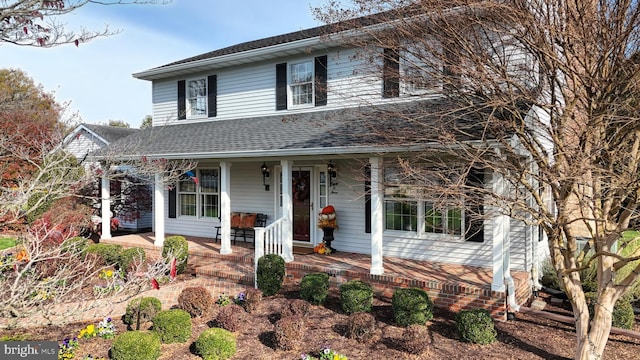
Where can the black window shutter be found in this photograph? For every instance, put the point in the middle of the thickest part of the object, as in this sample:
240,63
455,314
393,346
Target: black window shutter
182,100
172,202
391,74
367,200
281,86
320,69
212,95
474,215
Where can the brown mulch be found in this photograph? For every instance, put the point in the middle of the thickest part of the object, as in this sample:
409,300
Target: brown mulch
526,337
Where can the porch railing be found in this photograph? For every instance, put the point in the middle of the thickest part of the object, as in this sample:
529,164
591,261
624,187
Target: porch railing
269,240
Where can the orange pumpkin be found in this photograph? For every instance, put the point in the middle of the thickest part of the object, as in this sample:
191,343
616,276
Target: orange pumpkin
328,210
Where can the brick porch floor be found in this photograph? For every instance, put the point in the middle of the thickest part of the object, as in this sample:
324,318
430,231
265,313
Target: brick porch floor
451,286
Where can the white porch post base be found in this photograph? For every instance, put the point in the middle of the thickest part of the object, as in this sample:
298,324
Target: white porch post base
377,267
158,211
287,211
105,207
225,208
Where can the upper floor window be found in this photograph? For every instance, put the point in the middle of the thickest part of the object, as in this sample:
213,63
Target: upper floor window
302,83
197,97
412,70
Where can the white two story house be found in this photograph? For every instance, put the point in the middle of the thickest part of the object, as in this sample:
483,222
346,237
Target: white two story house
277,127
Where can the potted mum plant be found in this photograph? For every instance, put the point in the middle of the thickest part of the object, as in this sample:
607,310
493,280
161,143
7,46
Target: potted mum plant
327,222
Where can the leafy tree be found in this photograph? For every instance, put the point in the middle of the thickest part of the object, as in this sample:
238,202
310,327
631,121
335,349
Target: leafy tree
147,122
36,22
539,95
119,123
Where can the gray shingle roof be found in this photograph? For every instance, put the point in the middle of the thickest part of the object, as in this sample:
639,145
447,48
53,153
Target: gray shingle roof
352,130
110,133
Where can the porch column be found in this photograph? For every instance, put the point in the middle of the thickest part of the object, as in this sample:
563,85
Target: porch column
287,211
497,237
225,208
158,210
105,204
377,220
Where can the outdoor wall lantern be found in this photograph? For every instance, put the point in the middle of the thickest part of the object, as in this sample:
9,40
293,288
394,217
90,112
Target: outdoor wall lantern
265,174
331,171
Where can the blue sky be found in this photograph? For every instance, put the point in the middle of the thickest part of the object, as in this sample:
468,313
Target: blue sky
96,77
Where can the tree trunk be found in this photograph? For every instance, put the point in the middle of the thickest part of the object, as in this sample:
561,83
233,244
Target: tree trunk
591,346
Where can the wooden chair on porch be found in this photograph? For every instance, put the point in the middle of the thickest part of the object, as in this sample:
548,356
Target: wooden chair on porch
243,225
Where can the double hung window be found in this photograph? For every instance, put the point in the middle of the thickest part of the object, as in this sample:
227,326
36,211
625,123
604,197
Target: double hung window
408,208
301,83
196,97
200,198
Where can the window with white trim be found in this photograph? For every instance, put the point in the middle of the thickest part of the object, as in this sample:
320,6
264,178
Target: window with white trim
406,208
196,97
419,70
301,76
200,198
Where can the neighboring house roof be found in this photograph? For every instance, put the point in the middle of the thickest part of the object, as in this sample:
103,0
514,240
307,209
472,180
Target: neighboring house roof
110,133
103,133
344,131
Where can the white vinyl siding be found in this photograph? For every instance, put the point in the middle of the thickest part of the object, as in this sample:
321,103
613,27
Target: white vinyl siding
249,91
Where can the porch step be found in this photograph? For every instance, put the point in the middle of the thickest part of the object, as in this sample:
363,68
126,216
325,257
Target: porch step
230,271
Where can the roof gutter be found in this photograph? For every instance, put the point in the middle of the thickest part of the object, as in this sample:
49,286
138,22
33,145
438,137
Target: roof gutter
167,71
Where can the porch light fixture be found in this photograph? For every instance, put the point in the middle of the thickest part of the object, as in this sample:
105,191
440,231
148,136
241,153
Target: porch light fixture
331,171
265,174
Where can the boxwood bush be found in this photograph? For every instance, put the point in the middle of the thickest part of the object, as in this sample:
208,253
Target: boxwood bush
356,296
314,288
146,307
130,257
270,274
215,344
173,326
136,345
411,306
109,252
476,326
179,247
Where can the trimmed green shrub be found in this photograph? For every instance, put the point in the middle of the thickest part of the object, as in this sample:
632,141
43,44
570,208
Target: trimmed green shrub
215,344
314,288
363,328
356,296
130,257
476,326
416,339
270,274
109,252
173,326
622,316
136,345
178,247
289,331
146,307
411,306
196,300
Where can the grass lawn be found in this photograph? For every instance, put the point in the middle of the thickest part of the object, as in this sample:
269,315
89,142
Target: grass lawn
6,243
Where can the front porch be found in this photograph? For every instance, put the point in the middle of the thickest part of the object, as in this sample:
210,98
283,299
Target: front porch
450,286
